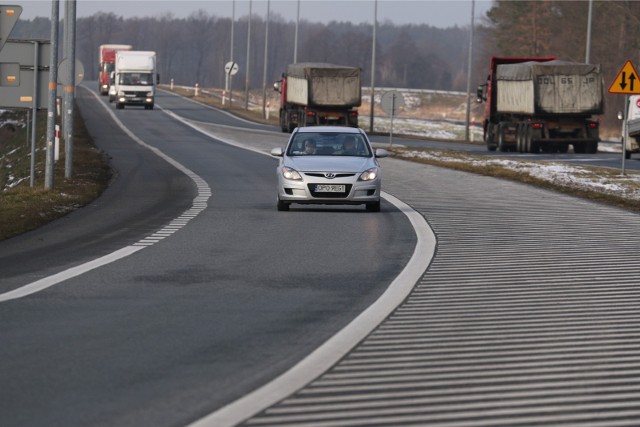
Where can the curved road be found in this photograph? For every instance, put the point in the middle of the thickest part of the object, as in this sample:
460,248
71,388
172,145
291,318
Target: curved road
219,293
527,315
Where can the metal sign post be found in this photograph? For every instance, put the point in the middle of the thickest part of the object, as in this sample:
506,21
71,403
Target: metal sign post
230,69
390,102
625,126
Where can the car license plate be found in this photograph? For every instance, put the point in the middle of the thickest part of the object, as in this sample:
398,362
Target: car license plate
329,188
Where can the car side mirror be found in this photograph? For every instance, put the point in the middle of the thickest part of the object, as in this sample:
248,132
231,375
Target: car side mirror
381,153
277,152
276,86
620,116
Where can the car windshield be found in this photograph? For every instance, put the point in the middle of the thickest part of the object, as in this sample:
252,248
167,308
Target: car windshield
328,144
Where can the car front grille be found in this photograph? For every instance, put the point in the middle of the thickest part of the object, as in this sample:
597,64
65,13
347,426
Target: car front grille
321,174
324,195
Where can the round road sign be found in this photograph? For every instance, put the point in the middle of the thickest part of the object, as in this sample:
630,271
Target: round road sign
391,101
231,68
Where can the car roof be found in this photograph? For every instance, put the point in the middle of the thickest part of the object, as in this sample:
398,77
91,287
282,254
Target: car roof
338,129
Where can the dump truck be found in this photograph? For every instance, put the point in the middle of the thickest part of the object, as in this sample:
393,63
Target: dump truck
314,94
135,78
107,65
542,104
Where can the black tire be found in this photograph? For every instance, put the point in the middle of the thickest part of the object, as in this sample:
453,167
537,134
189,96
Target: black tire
373,207
528,139
119,106
627,154
519,139
490,137
501,144
283,206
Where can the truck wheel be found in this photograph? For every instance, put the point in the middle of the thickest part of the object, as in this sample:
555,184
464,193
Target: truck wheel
579,147
520,138
501,144
119,106
490,137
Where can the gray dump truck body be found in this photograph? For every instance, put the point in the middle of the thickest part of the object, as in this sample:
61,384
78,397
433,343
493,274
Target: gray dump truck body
542,104
319,94
554,87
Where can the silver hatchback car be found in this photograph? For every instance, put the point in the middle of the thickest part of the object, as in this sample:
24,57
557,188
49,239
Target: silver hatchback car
329,165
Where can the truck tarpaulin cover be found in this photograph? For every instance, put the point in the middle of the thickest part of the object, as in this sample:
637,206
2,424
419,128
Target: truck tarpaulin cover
549,87
323,84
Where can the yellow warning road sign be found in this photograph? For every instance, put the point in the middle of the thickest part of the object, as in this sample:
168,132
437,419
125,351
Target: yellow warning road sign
627,82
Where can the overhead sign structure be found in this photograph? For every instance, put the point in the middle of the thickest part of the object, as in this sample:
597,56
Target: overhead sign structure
627,81
8,17
18,79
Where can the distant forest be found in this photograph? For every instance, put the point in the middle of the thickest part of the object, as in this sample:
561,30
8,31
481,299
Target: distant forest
195,49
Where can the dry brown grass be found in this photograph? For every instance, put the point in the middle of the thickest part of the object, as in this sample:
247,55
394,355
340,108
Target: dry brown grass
23,208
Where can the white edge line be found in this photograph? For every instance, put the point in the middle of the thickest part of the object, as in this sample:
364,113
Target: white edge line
329,353
209,106
334,349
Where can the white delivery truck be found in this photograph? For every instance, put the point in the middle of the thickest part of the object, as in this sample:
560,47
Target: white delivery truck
135,78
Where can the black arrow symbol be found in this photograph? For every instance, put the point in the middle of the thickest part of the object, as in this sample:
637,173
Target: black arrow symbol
632,78
623,83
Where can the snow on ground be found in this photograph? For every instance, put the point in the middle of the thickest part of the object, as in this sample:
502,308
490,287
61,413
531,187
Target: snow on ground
574,177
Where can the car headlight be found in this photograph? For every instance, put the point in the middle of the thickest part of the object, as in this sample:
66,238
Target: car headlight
121,93
149,93
291,174
369,175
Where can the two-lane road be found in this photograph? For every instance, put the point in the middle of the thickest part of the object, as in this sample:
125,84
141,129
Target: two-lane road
219,300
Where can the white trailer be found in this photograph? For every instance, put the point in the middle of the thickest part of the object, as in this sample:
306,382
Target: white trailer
135,78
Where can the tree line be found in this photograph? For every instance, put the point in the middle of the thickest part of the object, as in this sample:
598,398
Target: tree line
194,49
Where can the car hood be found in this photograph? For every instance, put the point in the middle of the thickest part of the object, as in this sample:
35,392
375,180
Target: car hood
329,163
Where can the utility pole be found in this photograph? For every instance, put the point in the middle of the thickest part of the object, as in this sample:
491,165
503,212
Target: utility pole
69,91
246,80
466,133
53,84
588,49
264,70
373,65
295,41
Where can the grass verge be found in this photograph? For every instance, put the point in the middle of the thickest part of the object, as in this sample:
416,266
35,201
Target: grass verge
598,184
23,208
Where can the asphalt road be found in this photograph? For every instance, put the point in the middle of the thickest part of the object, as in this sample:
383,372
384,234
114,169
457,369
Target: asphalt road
219,300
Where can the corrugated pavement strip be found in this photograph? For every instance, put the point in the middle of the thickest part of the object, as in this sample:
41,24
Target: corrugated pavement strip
529,314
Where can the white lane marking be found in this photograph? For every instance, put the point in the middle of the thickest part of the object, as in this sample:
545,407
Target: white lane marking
47,282
210,107
198,205
334,349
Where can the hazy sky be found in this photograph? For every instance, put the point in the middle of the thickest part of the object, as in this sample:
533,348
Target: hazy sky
437,13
